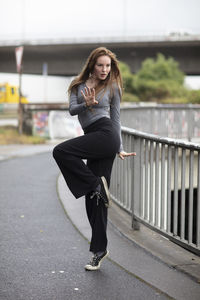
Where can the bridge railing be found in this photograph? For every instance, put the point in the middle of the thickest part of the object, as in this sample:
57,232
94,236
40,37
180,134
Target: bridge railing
170,120
160,187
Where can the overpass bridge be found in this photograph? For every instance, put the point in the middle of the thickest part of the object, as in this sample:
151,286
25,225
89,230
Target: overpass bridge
66,56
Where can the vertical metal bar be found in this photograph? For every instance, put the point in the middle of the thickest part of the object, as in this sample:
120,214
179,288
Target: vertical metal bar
124,175
124,181
146,200
136,184
115,188
157,179
198,203
190,216
119,181
132,180
162,201
117,191
128,174
183,170
141,177
175,216
121,175
112,180
169,171
151,184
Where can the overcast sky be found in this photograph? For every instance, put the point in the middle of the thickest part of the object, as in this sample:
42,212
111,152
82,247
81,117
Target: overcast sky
40,19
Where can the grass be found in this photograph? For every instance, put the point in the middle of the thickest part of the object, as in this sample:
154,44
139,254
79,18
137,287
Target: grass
175,101
10,135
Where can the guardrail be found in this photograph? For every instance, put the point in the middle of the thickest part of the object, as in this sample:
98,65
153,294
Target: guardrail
180,121
160,187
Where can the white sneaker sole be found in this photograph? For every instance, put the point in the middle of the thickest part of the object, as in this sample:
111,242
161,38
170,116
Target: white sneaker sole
107,191
91,268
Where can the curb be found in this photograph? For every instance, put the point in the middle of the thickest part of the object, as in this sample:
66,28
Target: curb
155,244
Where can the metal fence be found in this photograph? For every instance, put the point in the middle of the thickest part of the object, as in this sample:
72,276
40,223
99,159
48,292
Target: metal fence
160,187
174,121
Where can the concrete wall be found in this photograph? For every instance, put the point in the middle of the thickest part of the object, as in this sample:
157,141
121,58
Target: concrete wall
182,121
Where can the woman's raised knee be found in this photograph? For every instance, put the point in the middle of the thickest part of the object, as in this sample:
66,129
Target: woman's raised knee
56,151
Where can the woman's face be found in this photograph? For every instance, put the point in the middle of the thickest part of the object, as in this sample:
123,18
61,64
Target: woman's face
102,67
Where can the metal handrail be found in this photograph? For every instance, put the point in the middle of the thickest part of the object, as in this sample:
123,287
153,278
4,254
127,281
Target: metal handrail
160,139
160,187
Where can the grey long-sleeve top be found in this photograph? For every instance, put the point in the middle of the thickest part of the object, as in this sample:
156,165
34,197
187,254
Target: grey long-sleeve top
108,106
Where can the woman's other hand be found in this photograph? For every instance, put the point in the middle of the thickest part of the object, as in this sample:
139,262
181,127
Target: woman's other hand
89,96
124,154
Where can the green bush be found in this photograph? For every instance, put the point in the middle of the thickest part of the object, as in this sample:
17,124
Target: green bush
149,90
179,100
189,96
127,77
128,97
158,80
161,69
194,96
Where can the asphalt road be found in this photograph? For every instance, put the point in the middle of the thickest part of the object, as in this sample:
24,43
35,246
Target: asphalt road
42,256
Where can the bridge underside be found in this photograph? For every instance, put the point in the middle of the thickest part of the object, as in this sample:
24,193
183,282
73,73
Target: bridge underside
67,59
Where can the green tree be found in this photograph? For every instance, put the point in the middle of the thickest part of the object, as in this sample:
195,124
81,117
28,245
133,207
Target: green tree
160,69
127,77
129,94
159,79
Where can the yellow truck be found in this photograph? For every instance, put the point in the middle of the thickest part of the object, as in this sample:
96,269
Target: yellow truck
10,94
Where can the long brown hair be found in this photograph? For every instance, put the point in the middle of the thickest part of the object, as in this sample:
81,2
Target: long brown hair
113,76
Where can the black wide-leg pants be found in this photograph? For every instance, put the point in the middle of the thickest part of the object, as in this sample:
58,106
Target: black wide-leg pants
98,146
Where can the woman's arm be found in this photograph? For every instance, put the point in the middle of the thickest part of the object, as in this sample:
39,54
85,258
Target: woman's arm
75,108
115,117
115,113
89,100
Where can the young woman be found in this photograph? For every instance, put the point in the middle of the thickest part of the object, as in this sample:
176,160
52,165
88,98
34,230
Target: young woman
95,96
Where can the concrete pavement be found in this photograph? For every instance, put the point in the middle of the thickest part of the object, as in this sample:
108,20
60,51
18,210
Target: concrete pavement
43,255
12,151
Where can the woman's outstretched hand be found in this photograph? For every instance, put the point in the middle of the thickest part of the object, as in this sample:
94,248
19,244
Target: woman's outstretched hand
89,96
124,154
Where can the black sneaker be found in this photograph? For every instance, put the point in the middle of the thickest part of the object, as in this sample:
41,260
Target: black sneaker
103,194
95,262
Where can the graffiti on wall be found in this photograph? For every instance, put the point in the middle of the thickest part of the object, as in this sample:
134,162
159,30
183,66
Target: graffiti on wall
197,124
40,123
62,125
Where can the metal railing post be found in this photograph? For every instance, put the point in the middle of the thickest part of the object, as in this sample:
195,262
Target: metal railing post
136,184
